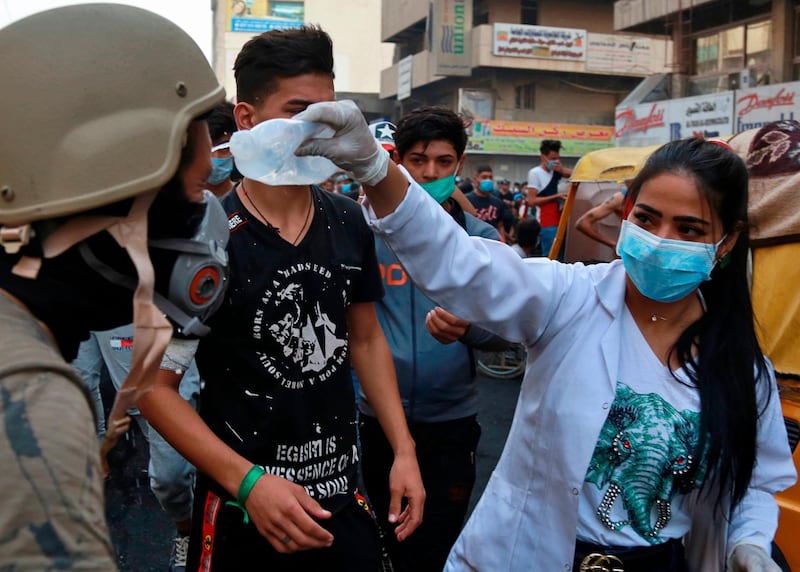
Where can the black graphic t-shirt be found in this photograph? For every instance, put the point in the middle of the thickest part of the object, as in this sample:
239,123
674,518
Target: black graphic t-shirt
492,210
276,365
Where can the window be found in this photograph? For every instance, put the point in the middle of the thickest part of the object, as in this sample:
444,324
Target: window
528,13
757,54
731,49
524,96
480,12
707,54
796,51
721,54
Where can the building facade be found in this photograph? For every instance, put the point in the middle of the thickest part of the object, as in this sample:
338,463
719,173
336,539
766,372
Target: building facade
522,71
736,67
720,45
354,26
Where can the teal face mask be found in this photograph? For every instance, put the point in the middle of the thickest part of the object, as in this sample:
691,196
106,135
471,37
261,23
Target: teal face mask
441,189
487,185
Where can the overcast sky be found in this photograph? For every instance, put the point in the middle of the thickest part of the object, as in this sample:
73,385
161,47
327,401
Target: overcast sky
194,16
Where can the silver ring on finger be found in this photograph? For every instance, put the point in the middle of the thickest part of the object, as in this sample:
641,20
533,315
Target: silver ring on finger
286,539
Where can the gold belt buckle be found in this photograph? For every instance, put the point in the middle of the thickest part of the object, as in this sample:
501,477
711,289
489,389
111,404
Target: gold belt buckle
596,562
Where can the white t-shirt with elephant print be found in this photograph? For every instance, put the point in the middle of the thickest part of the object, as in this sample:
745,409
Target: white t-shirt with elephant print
643,463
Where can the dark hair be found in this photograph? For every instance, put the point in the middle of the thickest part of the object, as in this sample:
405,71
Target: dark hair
426,124
466,186
220,121
548,145
728,361
278,54
528,231
482,168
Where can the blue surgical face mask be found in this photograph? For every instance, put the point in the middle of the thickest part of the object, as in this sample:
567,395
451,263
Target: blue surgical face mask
486,185
221,169
550,165
346,187
662,269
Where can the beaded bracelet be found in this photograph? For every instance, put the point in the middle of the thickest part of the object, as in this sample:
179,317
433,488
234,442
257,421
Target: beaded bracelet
246,486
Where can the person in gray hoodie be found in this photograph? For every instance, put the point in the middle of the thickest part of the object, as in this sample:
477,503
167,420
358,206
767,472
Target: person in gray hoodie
432,352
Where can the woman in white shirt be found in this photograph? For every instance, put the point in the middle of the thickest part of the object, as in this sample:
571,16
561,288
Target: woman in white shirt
648,434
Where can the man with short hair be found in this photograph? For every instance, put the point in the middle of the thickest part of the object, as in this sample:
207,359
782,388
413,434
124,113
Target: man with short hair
488,207
506,194
434,368
275,440
543,190
221,125
328,185
527,245
88,183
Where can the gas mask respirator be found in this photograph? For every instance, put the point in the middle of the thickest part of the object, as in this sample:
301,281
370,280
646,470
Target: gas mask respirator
200,273
197,278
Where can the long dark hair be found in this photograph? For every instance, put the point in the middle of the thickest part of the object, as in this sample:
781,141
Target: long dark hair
728,361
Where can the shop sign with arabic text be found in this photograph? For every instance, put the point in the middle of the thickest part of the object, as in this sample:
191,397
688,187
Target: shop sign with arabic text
522,41
701,116
616,53
521,138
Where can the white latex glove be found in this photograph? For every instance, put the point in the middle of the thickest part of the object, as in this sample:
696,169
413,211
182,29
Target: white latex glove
352,147
751,558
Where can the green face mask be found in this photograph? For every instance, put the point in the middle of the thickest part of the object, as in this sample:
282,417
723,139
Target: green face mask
441,189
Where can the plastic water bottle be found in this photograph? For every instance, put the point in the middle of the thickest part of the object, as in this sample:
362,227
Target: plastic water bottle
265,153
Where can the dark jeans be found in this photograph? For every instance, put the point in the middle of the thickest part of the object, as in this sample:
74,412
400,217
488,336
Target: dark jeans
231,545
446,456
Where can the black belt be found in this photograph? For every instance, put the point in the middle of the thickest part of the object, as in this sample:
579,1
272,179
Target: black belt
666,557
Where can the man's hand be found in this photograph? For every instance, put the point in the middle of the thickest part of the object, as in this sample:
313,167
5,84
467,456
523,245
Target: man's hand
405,482
444,326
284,514
115,428
352,146
751,558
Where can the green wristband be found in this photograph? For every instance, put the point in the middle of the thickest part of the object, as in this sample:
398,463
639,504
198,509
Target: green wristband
248,482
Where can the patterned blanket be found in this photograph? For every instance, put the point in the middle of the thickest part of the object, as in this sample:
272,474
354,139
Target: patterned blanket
772,154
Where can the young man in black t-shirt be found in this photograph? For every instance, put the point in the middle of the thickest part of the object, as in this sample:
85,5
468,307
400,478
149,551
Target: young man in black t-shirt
488,206
275,442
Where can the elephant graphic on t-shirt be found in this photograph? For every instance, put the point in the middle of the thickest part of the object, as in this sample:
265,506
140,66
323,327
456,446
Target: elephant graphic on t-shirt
645,454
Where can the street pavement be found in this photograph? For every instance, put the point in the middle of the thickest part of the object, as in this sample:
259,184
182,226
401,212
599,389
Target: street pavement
142,533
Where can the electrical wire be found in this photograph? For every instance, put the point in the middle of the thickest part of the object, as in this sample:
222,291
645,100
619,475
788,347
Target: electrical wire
594,89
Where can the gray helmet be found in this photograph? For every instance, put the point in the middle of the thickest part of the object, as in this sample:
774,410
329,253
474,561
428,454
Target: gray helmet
96,101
